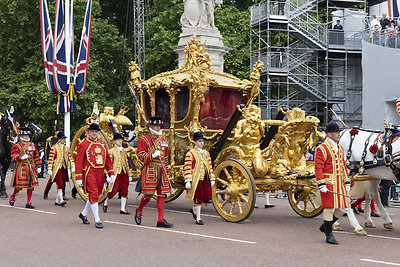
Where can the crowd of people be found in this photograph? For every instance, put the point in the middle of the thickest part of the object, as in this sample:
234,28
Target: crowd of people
384,32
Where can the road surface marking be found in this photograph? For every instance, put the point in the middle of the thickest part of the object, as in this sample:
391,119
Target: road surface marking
184,212
381,262
377,236
177,211
41,211
184,233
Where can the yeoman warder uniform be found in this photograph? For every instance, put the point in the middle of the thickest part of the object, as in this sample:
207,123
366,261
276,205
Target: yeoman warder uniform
152,175
26,156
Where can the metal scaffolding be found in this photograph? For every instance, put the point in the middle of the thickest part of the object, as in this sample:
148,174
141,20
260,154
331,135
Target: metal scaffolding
139,42
308,64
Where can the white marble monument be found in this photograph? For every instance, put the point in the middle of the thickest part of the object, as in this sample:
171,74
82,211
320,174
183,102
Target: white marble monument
198,19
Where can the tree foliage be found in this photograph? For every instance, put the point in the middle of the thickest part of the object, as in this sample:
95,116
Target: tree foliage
22,80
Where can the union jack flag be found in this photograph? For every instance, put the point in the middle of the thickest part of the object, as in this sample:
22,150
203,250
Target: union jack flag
47,46
59,55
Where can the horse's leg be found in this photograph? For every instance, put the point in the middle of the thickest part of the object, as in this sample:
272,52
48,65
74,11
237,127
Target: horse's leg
358,230
367,210
3,193
388,224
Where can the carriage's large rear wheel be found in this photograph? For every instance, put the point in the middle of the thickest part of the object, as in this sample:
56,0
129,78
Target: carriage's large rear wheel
234,193
303,202
77,139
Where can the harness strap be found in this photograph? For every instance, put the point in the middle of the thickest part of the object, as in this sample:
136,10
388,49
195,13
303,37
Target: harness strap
348,154
375,160
362,162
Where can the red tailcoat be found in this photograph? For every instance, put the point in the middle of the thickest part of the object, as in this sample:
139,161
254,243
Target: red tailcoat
152,170
92,159
330,170
25,176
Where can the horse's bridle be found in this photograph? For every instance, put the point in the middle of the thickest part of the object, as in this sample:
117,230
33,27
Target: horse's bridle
388,160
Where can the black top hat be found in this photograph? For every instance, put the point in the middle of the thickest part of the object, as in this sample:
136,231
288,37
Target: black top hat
332,127
61,135
118,136
24,131
197,136
94,127
59,128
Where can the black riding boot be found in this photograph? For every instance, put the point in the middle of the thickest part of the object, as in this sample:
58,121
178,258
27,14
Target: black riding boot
47,190
330,239
3,193
322,227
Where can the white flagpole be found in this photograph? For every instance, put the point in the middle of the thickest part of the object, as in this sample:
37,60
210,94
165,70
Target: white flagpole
67,115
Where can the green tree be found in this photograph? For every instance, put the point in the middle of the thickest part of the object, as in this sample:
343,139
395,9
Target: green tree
22,79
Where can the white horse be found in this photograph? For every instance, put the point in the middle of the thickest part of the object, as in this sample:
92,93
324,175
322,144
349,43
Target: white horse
376,162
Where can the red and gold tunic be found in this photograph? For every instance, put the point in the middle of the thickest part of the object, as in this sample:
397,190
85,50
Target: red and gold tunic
151,169
92,159
59,157
25,174
330,170
197,165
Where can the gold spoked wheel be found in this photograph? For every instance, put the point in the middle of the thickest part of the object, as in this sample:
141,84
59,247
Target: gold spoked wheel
234,193
303,202
80,135
175,193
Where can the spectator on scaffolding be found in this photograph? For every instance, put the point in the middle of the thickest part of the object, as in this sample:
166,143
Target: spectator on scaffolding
279,55
338,26
376,34
374,23
384,21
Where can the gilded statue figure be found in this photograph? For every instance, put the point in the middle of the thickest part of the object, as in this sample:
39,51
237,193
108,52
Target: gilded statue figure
110,124
248,133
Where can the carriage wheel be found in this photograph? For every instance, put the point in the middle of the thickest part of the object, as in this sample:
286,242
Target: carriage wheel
303,202
175,193
234,193
74,143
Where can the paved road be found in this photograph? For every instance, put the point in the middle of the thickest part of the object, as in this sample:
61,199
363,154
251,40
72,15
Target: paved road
54,236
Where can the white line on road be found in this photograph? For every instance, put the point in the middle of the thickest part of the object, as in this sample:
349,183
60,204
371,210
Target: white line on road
177,211
41,211
184,233
377,236
381,262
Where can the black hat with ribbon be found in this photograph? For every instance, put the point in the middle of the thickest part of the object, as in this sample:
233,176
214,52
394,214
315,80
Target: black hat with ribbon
24,131
118,136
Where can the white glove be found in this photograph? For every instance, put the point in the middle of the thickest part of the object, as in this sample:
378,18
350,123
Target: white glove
156,154
323,189
79,183
348,189
39,170
50,172
212,182
73,169
24,157
109,180
112,178
188,185
130,178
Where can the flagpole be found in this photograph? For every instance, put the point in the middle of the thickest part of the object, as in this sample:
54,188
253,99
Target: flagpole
67,115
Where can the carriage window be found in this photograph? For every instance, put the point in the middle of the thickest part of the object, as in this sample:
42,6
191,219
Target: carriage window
182,104
218,107
163,107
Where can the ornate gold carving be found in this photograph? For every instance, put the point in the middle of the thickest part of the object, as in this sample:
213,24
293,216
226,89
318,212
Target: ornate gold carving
251,88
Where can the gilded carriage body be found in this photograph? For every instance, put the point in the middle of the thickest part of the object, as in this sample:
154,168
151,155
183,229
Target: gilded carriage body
195,98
